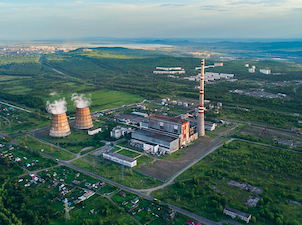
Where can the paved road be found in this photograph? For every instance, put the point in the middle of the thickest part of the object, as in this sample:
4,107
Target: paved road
16,107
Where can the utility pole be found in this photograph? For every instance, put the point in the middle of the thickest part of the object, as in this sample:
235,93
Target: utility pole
66,208
122,172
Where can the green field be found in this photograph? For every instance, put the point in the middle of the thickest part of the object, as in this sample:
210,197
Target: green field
113,172
128,153
52,151
101,98
204,188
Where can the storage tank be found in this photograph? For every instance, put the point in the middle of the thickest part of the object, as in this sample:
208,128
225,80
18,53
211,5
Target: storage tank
83,119
59,126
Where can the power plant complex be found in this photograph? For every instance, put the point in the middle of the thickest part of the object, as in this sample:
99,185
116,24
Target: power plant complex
158,134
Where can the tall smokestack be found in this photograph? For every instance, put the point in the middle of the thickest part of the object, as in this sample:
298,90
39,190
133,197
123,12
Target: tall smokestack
200,119
59,126
83,119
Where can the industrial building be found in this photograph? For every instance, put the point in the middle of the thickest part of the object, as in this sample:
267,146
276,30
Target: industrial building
83,119
121,159
207,125
147,147
265,71
162,134
236,213
161,141
139,114
59,126
119,131
251,70
171,125
94,131
129,119
169,72
168,68
218,64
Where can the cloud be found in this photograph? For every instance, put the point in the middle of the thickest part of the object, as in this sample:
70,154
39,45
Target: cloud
172,5
214,8
261,2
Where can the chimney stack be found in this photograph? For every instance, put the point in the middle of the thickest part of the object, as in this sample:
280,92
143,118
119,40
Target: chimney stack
200,119
83,119
59,126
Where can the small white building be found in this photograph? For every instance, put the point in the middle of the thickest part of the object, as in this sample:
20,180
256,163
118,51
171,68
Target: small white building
247,65
236,213
265,71
168,68
251,70
94,131
218,64
140,114
169,72
209,126
119,131
121,159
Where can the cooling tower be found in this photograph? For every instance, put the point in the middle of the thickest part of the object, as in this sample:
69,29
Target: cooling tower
59,126
83,119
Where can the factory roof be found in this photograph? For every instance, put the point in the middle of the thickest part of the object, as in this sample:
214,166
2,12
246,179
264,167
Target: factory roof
119,156
154,134
166,118
243,214
95,129
132,118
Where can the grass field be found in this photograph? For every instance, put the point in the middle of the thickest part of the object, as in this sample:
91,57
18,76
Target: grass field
75,136
143,159
114,172
52,151
101,98
128,153
10,78
204,188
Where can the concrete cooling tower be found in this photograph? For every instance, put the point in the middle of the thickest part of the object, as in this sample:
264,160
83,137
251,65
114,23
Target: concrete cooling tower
59,126
83,119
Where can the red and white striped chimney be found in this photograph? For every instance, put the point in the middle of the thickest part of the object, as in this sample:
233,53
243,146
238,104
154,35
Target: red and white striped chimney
200,119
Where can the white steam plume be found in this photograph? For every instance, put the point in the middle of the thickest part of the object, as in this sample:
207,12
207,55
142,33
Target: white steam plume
57,107
80,101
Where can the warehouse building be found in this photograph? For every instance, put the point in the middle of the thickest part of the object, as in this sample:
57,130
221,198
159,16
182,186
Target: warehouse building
236,213
121,159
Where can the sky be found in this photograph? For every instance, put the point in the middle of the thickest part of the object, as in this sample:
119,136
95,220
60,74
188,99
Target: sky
68,19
